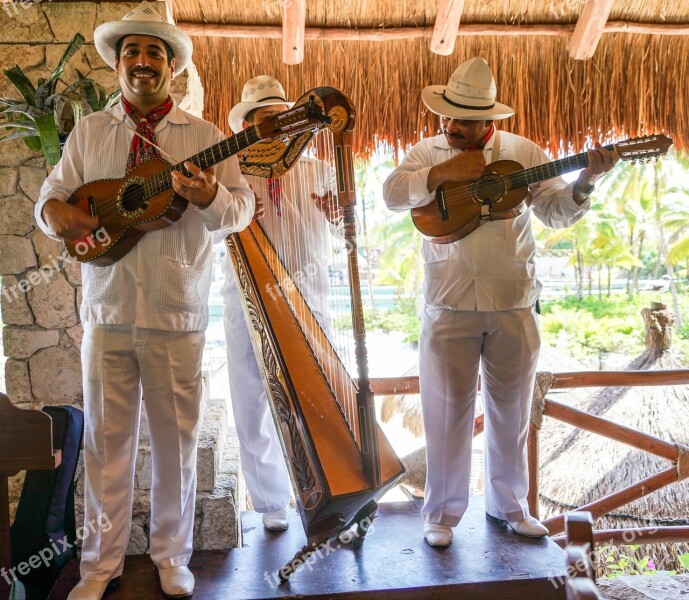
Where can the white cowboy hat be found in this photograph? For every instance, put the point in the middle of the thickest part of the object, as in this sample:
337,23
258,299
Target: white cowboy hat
469,95
143,20
263,90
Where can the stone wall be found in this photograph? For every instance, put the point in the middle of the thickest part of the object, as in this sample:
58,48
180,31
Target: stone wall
41,288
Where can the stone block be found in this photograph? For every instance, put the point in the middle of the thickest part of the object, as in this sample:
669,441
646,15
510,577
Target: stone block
97,63
75,335
24,55
16,215
56,376
17,381
16,254
24,342
51,299
144,469
69,18
13,303
218,527
49,251
73,271
24,23
31,179
15,152
8,181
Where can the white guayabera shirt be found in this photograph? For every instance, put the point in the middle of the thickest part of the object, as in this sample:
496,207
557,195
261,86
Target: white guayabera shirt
163,282
298,230
493,267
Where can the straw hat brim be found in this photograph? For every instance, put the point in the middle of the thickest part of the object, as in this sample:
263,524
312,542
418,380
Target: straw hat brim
432,97
239,111
107,35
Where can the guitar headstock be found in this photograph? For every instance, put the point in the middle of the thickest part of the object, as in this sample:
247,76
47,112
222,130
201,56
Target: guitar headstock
643,148
318,108
305,117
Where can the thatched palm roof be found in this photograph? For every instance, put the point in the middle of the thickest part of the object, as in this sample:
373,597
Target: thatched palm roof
634,84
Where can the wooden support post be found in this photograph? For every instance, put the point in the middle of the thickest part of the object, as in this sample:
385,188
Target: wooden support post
589,29
446,26
293,28
532,445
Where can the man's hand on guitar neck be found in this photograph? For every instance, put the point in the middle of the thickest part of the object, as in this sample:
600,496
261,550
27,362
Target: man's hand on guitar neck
67,221
466,166
600,162
200,189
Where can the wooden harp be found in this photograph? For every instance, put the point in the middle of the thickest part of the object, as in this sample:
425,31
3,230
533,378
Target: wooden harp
339,460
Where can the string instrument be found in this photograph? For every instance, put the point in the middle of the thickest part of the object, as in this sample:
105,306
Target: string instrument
501,192
144,200
339,460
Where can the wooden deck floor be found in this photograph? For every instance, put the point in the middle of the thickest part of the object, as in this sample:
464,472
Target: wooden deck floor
484,561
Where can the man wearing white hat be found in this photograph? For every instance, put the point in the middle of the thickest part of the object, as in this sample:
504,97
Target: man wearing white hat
480,294
145,315
298,212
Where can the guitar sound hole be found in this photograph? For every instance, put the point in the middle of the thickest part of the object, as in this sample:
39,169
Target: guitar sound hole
489,189
134,198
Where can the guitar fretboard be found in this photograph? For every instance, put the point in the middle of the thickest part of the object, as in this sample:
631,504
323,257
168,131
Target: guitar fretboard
550,170
207,158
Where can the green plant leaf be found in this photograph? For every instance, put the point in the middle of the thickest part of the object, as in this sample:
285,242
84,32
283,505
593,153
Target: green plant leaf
24,133
73,47
34,143
18,125
21,82
50,141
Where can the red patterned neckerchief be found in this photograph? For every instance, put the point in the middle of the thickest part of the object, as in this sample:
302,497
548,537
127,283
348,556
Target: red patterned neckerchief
140,151
484,140
275,194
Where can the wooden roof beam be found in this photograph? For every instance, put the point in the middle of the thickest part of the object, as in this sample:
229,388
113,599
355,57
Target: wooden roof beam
293,28
380,34
589,29
446,26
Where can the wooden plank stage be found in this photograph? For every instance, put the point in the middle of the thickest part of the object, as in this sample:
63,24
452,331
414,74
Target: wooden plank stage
484,561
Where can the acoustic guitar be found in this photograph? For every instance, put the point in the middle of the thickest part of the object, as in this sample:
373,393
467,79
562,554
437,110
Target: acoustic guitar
144,200
500,193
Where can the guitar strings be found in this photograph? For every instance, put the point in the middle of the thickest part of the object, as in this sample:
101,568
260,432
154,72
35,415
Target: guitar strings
523,178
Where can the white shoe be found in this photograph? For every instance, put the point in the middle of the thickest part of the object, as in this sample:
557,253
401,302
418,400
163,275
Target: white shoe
438,536
88,589
528,527
278,520
176,582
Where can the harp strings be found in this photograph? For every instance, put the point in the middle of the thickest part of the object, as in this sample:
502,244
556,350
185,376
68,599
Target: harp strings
310,255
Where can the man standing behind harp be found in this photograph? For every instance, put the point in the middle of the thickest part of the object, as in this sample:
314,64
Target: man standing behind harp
296,212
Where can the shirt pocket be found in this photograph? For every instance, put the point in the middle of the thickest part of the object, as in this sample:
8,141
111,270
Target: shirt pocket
177,288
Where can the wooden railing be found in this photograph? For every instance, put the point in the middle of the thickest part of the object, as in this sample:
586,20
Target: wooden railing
677,455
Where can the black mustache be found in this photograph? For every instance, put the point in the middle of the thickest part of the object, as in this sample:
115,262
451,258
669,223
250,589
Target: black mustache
446,132
145,70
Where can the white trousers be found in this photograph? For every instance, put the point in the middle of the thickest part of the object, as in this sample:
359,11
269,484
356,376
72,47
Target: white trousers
262,459
453,345
119,362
